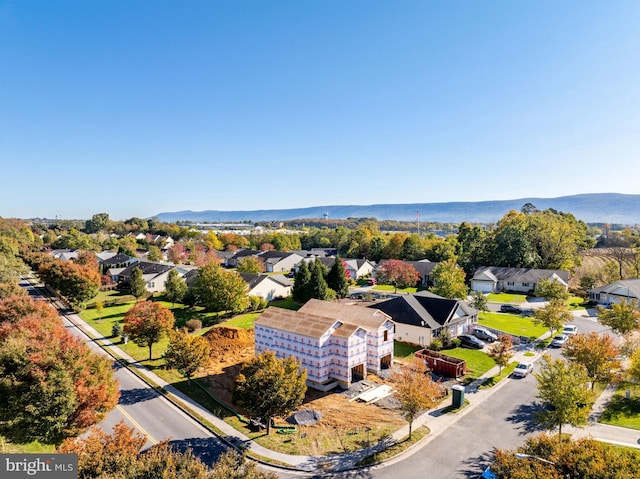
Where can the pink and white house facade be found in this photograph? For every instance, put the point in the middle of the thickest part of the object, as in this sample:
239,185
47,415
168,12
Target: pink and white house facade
336,343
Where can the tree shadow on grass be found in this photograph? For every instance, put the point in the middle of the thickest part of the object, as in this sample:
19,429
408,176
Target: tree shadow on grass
620,407
524,415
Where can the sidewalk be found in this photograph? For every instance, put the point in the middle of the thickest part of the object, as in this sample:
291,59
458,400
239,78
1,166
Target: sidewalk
435,420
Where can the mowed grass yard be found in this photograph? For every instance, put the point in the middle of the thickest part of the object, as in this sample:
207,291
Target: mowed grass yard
622,411
512,324
114,313
478,362
506,298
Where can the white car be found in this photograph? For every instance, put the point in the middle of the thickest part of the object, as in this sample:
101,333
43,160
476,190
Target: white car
559,341
570,330
522,369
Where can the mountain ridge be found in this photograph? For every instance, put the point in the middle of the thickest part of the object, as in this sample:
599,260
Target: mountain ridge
590,207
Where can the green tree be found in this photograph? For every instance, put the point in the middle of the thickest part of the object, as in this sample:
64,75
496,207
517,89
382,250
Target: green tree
633,371
98,222
448,279
154,253
175,287
596,353
397,273
500,351
551,289
587,281
553,315
250,264
563,392
511,243
623,317
415,390
472,240
147,322
268,386
337,279
318,284
301,290
186,353
479,301
137,284
217,289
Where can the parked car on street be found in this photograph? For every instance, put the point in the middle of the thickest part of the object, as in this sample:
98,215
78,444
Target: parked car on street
570,330
510,308
559,341
528,312
485,335
470,341
522,369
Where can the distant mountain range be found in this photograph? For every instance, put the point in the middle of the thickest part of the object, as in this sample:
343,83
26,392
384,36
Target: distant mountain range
591,208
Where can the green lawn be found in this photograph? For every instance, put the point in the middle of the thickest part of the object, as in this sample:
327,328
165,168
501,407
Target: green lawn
404,350
621,411
506,298
390,289
576,302
493,380
512,324
287,303
112,296
244,321
34,447
478,362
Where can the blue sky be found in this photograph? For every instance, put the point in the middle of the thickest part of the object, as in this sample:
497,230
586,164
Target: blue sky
139,107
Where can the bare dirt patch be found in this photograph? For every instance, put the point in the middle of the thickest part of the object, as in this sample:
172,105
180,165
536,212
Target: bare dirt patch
345,425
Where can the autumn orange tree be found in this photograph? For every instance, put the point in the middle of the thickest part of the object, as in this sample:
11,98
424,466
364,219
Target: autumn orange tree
118,456
500,351
51,385
77,282
147,322
597,353
397,273
544,456
415,390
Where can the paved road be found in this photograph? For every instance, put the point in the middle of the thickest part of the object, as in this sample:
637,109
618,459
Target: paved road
464,450
143,408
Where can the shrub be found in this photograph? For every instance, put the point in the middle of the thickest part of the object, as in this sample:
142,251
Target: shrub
116,329
436,345
194,325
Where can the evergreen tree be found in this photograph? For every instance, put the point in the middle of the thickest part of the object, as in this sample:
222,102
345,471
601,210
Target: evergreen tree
137,284
175,287
300,291
318,284
337,279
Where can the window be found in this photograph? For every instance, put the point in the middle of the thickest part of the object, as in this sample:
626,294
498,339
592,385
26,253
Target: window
386,335
525,284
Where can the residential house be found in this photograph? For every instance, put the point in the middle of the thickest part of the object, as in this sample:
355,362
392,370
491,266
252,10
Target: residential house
109,260
422,316
279,261
232,262
626,289
336,343
155,275
268,286
494,279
